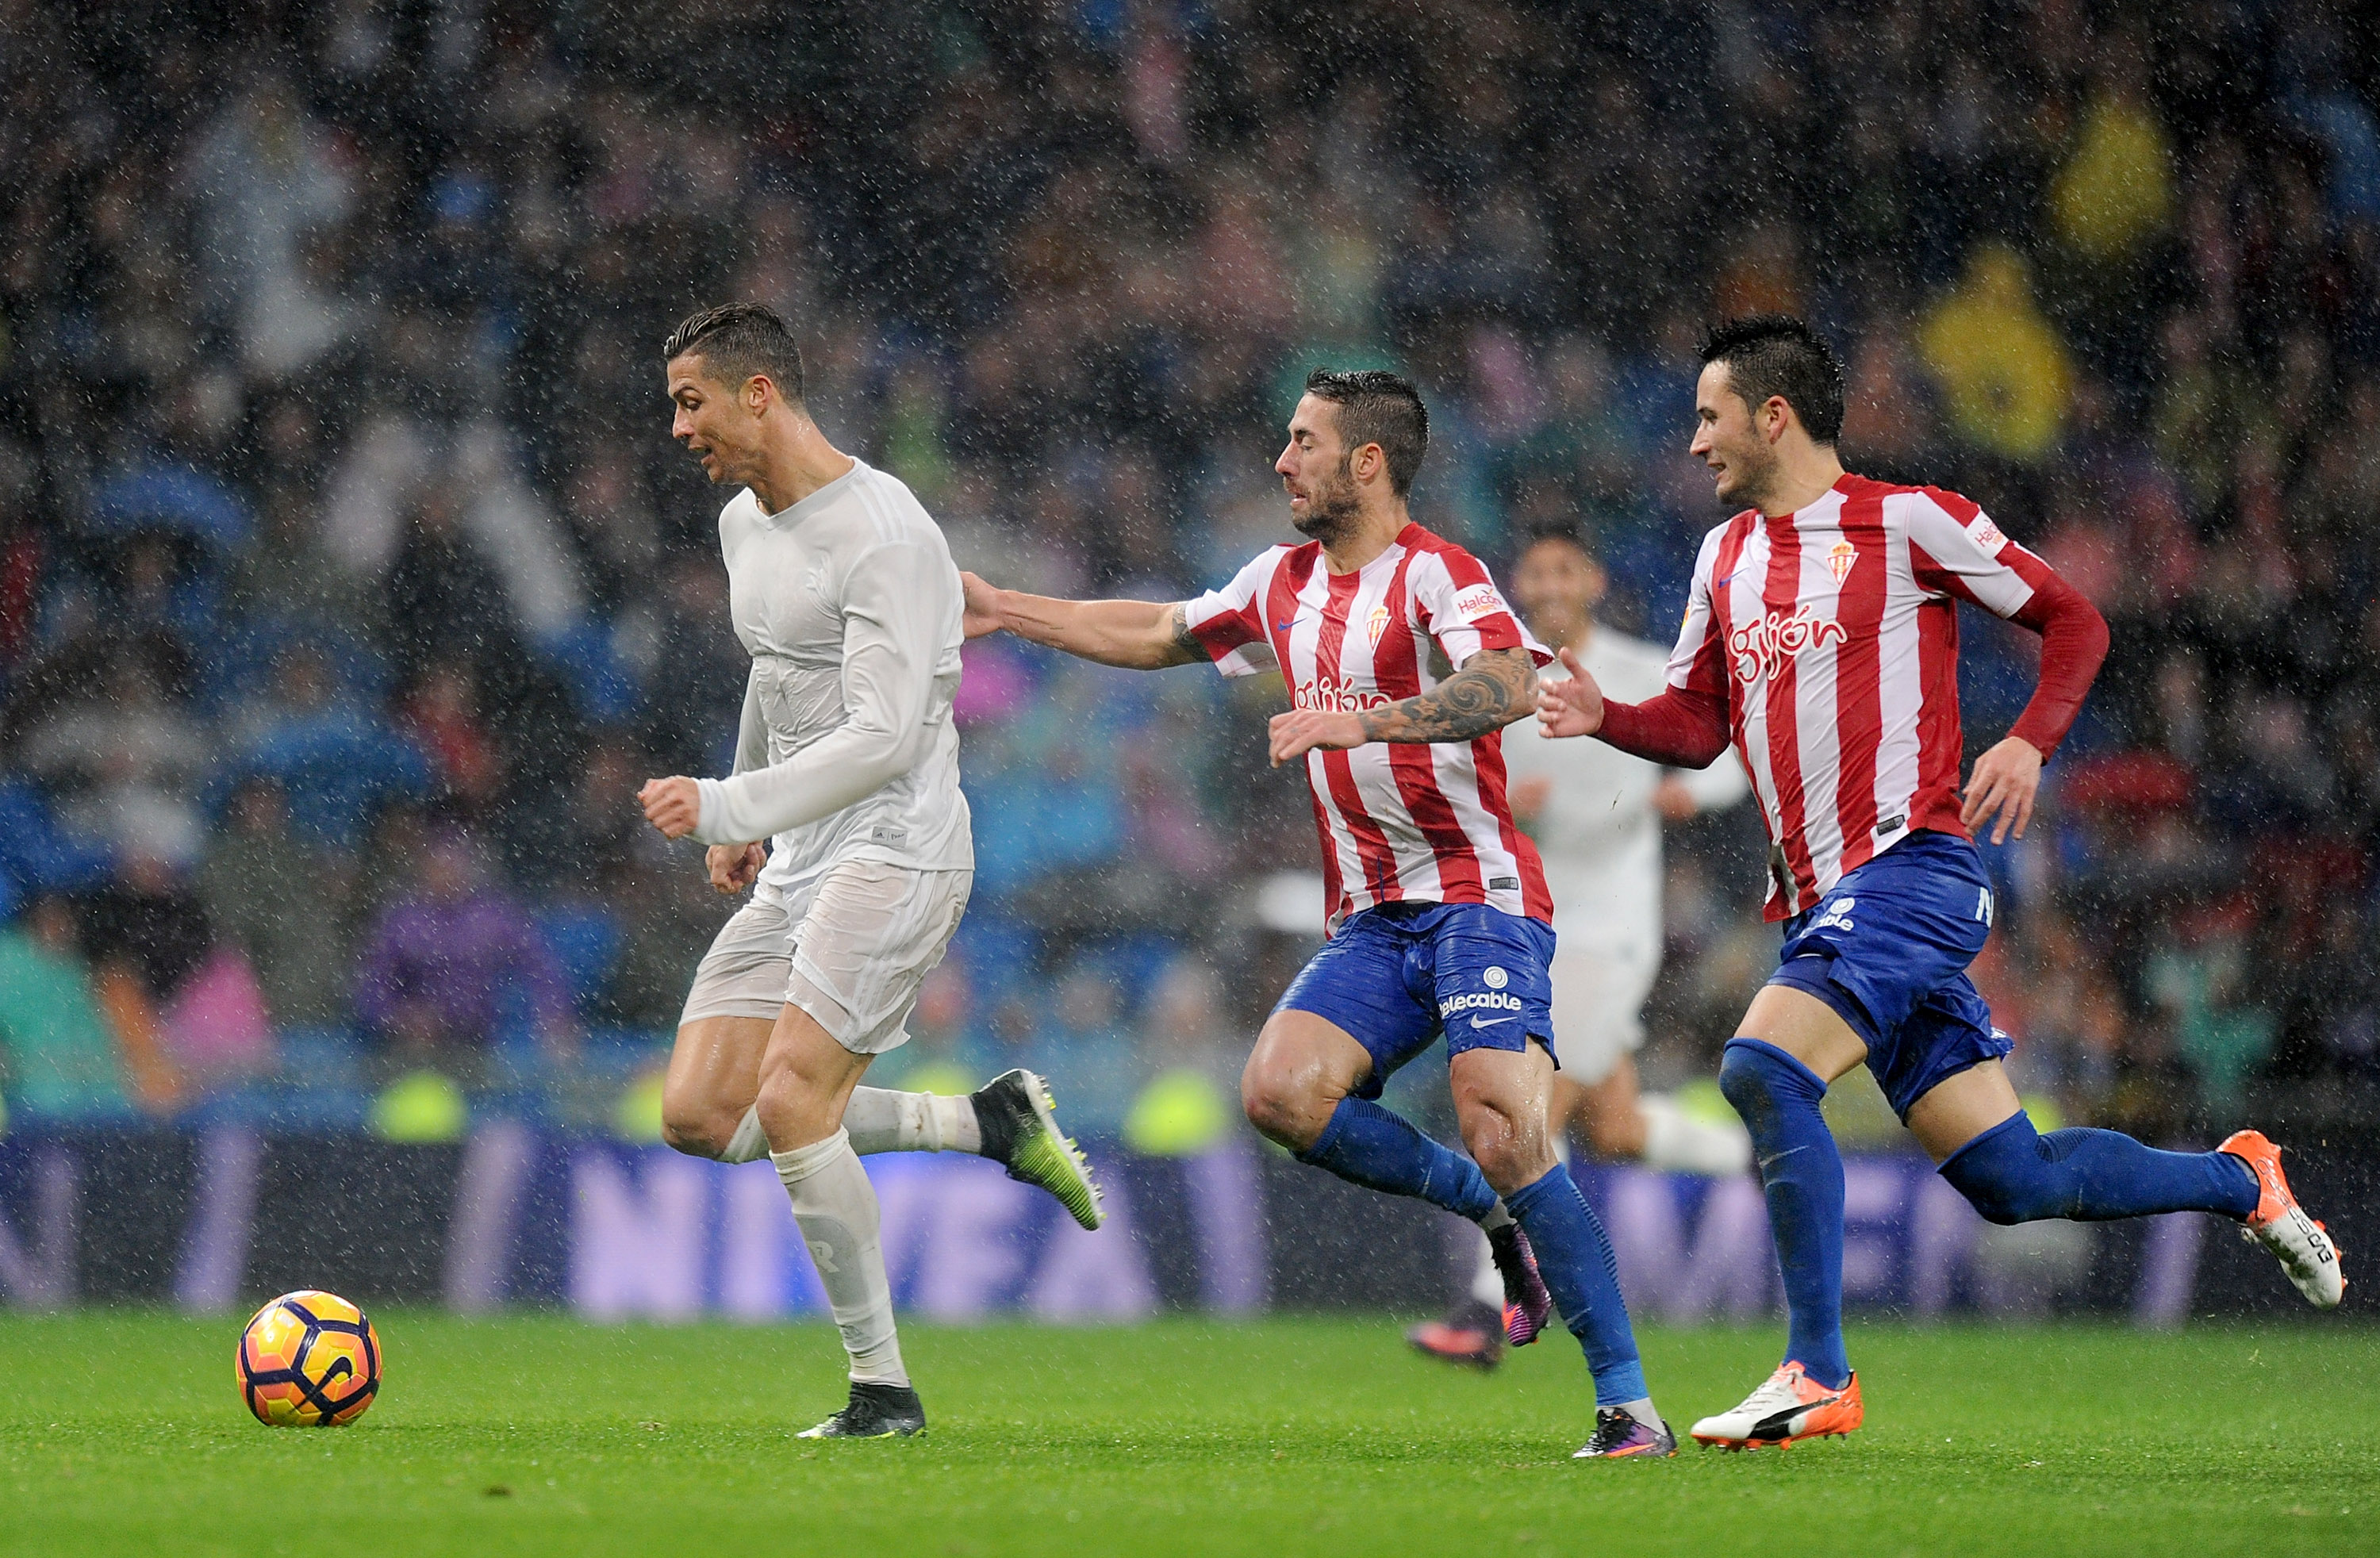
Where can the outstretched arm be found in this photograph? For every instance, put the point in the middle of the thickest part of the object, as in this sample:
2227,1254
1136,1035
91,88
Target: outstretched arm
1494,687
1679,728
1137,634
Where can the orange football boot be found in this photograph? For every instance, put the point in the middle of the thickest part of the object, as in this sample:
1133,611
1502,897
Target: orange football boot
1789,1406
2302,1246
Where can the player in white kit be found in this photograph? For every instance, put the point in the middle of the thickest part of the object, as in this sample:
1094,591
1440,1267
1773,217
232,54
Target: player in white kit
843,590
1596,814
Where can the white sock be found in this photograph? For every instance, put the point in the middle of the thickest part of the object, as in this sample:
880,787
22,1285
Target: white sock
749,1140
1642,1410
882,1121
836,1208
1486,1286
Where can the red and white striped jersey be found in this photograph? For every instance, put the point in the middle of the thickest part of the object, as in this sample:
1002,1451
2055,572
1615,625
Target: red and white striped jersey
1832,635
1399,821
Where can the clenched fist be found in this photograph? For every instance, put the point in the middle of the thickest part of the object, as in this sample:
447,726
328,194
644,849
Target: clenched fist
673,805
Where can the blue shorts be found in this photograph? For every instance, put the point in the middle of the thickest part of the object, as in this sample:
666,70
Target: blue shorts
1888,949
1396,975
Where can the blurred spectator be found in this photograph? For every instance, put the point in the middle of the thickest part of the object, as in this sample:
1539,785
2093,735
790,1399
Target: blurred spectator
2114,194
454,967
2003,375
278,898
1185,1026
57,1058
938,1058
333,759
149,942
1191,1099
670,913
266,178
699,672
1089,1046
124,763
442,714
290,576
2200,982
444,600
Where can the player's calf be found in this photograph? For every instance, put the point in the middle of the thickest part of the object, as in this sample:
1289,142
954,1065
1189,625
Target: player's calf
2013,1173
1298,1089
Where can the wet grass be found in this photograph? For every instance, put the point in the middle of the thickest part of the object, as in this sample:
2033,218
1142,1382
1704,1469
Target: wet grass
122,1432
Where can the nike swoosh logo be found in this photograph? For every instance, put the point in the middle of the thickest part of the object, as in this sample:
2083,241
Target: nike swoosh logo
1487,1022
1285,626
1779,1157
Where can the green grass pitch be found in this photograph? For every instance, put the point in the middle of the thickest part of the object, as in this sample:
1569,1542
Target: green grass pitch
122,1433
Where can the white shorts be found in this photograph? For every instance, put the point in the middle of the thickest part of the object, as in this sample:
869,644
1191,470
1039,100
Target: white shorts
1598,1005
852,956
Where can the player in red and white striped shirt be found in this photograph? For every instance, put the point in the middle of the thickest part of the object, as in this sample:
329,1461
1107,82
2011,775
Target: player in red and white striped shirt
1400,821
1403,665
1836,629
1821,638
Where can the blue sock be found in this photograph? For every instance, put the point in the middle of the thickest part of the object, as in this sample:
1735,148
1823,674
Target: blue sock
1802,1173
2013,1173
1575,1260
1380,1150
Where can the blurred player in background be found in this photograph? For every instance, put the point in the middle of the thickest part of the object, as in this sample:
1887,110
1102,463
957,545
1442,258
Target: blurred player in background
1403,665
1821,638
1596,814
844,593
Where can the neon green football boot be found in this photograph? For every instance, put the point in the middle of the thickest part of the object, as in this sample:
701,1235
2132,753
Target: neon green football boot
1019,1125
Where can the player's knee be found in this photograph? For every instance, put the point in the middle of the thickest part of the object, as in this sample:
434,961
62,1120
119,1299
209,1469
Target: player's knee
1764,1083
2008,1178
1283,1105
696,1127
694,1136
1744,1081
1510,1150
2006,1203
1508,1165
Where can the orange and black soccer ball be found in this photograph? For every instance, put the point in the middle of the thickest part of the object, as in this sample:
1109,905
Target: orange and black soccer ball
308,1359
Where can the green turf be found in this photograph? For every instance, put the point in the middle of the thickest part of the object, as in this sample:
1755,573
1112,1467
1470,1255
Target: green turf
123,1433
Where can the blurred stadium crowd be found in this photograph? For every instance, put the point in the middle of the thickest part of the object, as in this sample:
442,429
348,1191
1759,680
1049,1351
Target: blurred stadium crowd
349,583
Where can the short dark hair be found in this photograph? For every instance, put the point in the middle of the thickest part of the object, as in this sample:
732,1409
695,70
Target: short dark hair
1779,355
1573,535
1377,407
737,340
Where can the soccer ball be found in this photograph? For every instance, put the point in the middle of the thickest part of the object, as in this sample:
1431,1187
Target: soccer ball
308,1359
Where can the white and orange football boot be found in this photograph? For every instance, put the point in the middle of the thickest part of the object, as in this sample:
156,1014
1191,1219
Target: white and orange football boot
1791,1406
2302,1246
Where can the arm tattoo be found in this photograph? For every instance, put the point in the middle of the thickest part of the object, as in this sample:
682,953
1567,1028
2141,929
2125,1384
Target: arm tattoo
1185,648
1487,694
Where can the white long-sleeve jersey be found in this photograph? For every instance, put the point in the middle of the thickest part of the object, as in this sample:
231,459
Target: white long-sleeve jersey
850,607
1599,832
